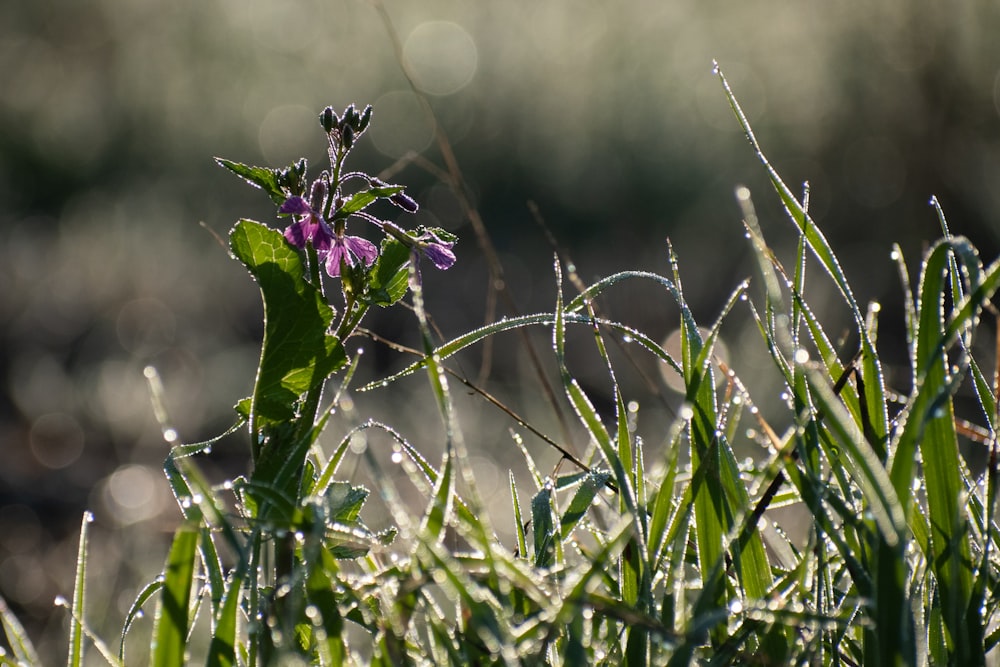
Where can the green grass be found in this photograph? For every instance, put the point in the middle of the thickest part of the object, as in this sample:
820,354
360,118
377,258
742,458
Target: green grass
622,554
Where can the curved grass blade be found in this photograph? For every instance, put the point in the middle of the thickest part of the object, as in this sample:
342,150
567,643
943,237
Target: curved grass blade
135,611
871,367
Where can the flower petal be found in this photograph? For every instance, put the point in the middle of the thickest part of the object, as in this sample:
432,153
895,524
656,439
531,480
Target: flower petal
364,249
440,255
296,205
337,250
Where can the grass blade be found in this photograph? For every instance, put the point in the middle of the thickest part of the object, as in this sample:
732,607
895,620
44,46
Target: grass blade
76,630
18,640
170,625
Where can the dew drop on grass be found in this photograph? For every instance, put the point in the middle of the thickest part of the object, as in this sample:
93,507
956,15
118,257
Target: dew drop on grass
686,412
228,485
88,517
736,607
397,457
626,339
60,601
185,502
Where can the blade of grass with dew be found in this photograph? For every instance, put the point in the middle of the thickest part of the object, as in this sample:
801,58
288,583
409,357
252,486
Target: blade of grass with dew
136,611
522,545
18,640
75,656
222,649
871,367
930,426
585,411
170,625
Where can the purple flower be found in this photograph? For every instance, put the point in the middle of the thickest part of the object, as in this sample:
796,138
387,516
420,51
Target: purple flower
309,227
439,252
349,247
330,246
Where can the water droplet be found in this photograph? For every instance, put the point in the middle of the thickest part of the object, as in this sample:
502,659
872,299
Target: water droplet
894,255
633,406
397,457
686,412
88,517
60,601
170,435
207,450
736,607
626,339
801,355
227,485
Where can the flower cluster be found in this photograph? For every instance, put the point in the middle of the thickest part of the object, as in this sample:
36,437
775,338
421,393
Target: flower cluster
321,210
321,221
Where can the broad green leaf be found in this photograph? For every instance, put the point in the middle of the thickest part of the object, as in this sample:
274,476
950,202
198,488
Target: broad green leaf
170,626
297,352
262,177
389,277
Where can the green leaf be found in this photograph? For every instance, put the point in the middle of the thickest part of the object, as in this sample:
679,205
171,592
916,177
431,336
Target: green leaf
388,280
361,200
262,177
582,500
344,501
541,520
170,626
298,354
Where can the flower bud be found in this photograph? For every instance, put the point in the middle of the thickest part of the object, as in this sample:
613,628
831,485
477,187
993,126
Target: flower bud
366,117
347,136
405,202
318,194
328,119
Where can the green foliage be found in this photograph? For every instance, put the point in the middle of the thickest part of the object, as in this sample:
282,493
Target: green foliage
626,556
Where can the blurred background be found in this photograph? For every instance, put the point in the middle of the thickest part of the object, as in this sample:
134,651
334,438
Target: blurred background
604,115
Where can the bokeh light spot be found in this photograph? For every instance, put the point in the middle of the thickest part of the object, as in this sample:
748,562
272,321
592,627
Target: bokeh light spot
56,440
442,57
400,126
130,494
